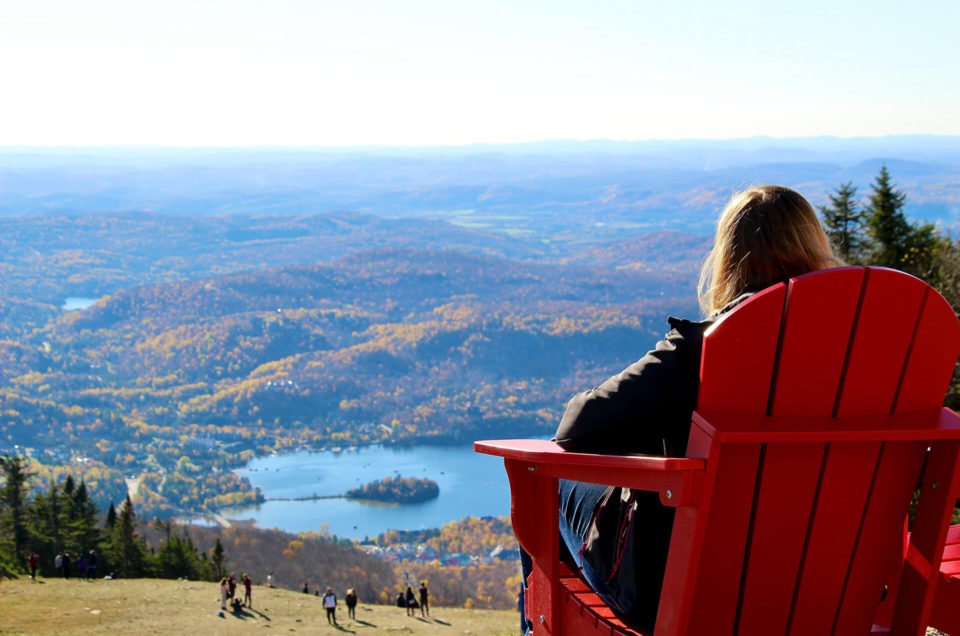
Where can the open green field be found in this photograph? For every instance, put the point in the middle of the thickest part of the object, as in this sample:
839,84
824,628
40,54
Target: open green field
153,606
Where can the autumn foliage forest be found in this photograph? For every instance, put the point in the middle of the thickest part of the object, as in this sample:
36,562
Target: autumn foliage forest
179,382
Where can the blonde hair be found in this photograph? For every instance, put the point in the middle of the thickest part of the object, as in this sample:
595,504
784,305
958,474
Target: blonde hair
765,234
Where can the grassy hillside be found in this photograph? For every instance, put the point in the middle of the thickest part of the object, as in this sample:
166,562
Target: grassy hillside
151,606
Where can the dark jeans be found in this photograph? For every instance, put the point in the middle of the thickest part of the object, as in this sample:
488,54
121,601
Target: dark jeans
578,501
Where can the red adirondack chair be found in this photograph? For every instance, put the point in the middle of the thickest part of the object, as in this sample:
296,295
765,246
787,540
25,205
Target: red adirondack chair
819,406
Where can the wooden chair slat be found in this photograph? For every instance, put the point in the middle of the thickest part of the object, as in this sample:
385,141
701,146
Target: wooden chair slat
704,572
885,327
880,534
787,487
818,319
847,477
738,356
931,360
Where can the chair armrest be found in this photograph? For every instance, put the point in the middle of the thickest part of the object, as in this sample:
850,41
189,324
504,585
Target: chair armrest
676,479
731,428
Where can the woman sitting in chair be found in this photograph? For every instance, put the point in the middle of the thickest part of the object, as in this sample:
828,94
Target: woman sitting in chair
619,538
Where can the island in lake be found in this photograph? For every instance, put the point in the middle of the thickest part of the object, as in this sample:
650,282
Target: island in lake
397,490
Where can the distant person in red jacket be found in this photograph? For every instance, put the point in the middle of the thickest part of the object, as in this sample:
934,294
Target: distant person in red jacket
33,561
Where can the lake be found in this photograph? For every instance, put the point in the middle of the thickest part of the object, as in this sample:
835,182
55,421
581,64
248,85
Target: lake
470,484
77,303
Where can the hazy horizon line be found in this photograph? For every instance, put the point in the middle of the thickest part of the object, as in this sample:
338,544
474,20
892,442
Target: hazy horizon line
484,144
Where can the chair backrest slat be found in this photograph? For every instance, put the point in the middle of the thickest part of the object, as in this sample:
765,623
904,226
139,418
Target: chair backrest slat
818,319
932,357
885,328
738,356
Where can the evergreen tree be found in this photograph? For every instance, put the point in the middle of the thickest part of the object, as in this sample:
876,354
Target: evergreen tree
887,225
85,533
46,513
178,557
126,549
216,558
13,507
895,242
843,220
111,519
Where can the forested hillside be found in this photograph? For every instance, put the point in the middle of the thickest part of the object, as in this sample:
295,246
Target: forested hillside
391,345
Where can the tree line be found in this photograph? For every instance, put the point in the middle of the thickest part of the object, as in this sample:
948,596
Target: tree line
875,231
63,518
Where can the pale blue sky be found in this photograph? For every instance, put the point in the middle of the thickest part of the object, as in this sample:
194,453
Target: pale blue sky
413,72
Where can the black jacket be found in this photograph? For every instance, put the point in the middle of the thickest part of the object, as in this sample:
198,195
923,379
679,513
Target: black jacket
645,409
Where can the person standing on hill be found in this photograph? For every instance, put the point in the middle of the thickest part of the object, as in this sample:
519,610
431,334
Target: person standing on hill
351,600
330,604
424,599
224,591
66,564
58,563
411,601
232,585
81,567
247,590
92,566
33,561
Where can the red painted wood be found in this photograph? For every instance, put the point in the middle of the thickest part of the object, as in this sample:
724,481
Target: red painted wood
945,615
787,487
884,331
819,314
932,357
930,525
676,479
750,429
738,355
705,562
847,477
884,614
953,534
951,552
535,516
538,450
878,542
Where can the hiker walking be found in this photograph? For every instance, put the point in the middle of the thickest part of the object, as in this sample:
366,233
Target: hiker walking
330,604
351,600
